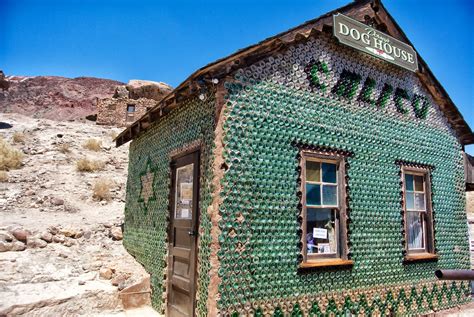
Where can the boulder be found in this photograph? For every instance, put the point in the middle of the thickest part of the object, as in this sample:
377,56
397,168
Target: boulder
35,242
69,242
58,239
121,92
53,230
105,273
46,236
116,233
6,236
5,246
20,234
18,246
57,201
68,232
70,208
147,89
120,281
87,234
30,192
71,233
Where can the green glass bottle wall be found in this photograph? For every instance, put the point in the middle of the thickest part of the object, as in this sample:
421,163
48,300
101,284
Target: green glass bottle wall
275,105
146,215
315,94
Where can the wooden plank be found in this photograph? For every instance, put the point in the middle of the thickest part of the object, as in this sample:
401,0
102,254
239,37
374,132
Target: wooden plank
469,169
326,263
220,100
181,252
421,257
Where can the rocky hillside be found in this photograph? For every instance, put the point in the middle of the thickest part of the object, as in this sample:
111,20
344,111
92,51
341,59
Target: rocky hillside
55,98
61,212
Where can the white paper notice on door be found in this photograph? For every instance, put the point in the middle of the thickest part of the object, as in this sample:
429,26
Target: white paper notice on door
320,233
186,193
184,213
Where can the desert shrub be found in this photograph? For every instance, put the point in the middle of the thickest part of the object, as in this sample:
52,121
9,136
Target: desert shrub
64,148
93,145
3,177
18,137
101,190
87,165
10,158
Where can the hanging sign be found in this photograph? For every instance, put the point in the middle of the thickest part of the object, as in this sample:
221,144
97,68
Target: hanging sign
369,40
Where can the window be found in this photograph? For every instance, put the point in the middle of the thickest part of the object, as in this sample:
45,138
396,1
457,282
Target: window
130,108
417,213
323,200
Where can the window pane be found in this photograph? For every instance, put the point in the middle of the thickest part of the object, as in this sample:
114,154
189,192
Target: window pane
329,195
408,182
410,201
415,231
184,192
420,202
329,173
321,231
313,171
313,194
419,183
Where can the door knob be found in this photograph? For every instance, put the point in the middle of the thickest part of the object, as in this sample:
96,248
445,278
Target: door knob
191,232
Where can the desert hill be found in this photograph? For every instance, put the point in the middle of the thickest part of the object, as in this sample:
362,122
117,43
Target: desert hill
52,97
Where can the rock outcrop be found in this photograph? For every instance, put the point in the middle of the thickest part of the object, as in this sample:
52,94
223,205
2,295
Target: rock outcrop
4,83
147,89
52,97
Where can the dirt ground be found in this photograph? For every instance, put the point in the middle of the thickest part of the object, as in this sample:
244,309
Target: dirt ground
73,262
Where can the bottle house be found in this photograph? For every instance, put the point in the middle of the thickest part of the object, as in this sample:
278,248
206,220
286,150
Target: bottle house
318,172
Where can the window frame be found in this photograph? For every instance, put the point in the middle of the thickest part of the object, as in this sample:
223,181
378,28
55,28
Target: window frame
131,106
341,256
428,252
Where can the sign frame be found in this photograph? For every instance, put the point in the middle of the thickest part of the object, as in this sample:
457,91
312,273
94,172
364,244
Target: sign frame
373,42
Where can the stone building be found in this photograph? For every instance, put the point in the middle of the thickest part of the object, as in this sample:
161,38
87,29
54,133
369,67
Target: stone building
309,174
130,102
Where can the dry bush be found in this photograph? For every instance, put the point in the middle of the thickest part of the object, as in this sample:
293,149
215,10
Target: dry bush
18,137
101,190
3,177
64,148
87,165
10,158
93,145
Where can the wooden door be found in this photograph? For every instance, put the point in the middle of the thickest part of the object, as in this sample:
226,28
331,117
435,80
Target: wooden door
183,235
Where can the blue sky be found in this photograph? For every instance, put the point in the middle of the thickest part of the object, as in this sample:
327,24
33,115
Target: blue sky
168,40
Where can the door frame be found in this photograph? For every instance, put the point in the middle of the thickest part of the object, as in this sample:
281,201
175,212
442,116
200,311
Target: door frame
191,155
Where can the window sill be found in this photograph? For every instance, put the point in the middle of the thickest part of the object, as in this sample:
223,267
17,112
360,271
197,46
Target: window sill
420,257
326,263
